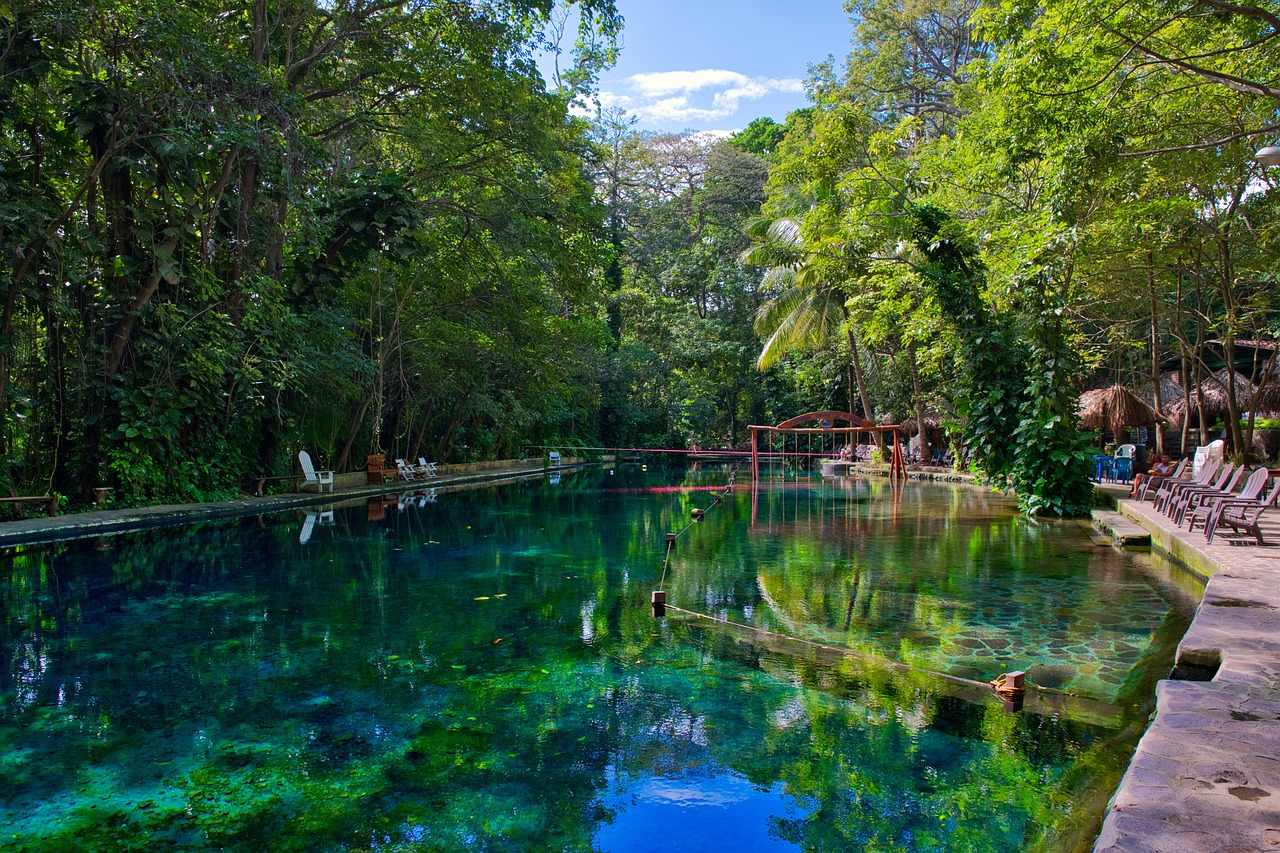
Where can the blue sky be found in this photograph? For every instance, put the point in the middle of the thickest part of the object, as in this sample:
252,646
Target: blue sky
717,64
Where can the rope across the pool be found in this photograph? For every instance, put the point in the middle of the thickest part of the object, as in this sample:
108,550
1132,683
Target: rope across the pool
695,517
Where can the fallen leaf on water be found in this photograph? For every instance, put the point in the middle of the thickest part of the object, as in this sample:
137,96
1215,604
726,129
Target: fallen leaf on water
499,640
482,598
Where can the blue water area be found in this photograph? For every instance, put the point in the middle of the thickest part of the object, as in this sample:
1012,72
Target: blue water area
481,670
716,810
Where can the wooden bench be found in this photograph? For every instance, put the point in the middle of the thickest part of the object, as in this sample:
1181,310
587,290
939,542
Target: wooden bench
263,480
50,502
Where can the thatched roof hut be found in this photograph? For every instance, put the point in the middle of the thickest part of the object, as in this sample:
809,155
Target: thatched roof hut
1215,396
932,421
1171,393
1115,408
1268,399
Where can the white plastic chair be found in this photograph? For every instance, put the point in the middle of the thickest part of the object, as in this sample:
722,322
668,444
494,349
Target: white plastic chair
406,472
1212,450
1126,451
425,467
309,523
553,459
311,475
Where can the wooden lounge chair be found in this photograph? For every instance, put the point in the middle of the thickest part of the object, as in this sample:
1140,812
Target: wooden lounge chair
1203,505
1189,498
1243,516
1171,487
1167,484
1151,480
311,476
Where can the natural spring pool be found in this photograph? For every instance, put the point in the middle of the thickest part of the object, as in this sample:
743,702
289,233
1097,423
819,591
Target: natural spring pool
483,672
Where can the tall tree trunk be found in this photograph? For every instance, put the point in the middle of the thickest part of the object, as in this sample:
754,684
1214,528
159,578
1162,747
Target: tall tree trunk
1226,273
354,432
918,399
1155,351
1197,362
855,360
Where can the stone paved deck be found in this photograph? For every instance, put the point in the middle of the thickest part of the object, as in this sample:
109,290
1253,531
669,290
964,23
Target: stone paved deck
1206,775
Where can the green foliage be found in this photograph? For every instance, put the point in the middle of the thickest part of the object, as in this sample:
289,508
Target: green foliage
683,370
1053,459
761,136
1019,394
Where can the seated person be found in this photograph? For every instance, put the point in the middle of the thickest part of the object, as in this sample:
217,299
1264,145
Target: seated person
1159,471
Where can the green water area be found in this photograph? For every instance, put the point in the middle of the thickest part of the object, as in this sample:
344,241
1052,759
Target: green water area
481,670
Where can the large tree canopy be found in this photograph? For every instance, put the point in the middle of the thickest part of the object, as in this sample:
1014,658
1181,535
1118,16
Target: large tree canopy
230,229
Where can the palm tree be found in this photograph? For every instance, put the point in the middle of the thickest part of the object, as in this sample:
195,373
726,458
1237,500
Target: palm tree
809,310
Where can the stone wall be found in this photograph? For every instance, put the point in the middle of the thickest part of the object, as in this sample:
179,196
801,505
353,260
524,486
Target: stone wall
359,479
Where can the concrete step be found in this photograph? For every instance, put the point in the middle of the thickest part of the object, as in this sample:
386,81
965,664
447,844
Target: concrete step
1123,531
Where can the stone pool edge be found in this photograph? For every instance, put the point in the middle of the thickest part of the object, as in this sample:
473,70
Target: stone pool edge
1206,774
32,531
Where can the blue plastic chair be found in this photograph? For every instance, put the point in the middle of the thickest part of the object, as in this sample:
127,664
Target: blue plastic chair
1102,468
1122,469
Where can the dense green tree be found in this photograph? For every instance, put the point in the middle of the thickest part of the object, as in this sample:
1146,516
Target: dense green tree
231,230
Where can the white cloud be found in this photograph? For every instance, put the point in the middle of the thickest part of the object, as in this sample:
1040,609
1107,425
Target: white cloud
707,95
671,82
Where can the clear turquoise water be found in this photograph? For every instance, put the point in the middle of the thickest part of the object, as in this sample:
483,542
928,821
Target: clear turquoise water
483,672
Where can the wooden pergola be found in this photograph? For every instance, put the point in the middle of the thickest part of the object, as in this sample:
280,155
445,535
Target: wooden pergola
827,425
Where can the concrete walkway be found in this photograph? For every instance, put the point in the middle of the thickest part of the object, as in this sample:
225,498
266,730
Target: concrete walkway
103,522
1206,775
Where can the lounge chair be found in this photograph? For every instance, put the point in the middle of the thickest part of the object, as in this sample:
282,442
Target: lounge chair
1218,484
311,475
406,472
1150,480
1171,487
1207,505
1189,498
427,468
1243,516
310,517
553,459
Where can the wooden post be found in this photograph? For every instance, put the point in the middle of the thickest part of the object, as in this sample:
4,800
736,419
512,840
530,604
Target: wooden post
755,459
